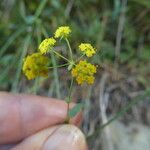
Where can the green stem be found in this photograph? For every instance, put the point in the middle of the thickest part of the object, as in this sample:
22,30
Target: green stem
56,76
68,101
68,117
70,90
80,57
58,54
59,66
71,55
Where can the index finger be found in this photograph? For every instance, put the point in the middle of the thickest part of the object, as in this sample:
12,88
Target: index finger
23,115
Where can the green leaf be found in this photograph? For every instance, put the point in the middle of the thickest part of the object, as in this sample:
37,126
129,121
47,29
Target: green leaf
70,67
77,108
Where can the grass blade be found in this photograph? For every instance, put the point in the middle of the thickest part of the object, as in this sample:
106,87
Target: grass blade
11,39
20,62
119,114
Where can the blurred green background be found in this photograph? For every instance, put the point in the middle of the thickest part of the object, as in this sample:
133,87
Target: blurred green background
119,29
98,21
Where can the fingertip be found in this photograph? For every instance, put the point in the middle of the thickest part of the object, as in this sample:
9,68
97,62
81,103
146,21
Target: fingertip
59,137
66,137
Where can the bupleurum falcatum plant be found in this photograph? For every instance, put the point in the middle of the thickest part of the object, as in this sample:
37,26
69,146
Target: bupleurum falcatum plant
37,64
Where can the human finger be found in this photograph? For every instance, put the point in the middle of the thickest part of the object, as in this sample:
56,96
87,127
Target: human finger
23,115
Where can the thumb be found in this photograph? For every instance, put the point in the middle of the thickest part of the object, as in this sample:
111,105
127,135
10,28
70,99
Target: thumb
61,137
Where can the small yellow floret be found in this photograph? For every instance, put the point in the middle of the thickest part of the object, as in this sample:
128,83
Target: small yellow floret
35,65
47,45
62,32
84,72
87,48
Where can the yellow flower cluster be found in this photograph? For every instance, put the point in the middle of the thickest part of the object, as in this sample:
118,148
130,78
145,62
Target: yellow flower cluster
35,65
47,45
84,72
62,32
87,48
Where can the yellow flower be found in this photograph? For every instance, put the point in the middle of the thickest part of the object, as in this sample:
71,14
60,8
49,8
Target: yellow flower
87,48
35,65
84,72
62,32
47,45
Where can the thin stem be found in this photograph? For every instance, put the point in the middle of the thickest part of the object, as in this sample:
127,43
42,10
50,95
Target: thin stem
59,66
58,54
70,90
80,57
71,55
68,100
119,36
68,117
55,72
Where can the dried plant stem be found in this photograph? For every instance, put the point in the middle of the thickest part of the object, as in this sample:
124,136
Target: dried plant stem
103,102
119,114
120,31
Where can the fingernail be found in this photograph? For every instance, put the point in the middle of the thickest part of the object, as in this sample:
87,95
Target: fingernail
67,137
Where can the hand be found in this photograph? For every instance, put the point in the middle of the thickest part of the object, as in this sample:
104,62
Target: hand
30,122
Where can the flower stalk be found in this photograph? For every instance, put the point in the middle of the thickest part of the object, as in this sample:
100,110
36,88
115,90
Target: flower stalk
80,70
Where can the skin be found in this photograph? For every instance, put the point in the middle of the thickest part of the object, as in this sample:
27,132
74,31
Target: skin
36,123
